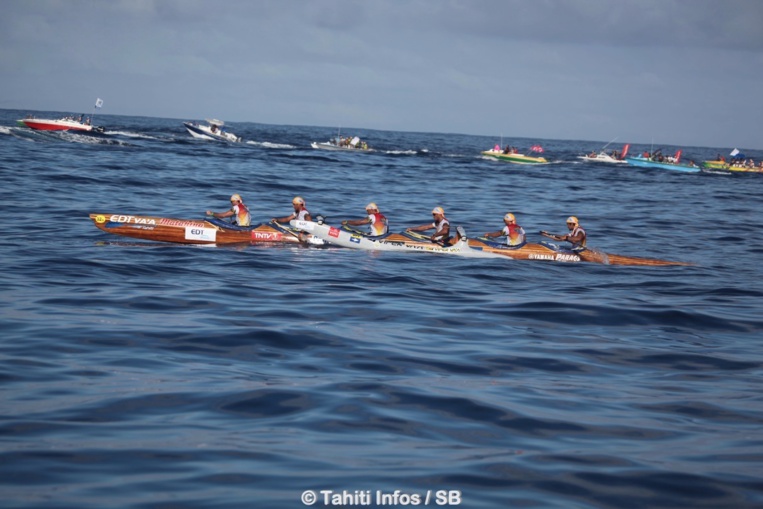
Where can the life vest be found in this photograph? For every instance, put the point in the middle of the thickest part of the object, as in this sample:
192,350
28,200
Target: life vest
243,218
575,231
379,223
515,234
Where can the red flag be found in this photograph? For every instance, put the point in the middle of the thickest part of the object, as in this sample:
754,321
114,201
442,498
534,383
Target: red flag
625,150
536,148
678,156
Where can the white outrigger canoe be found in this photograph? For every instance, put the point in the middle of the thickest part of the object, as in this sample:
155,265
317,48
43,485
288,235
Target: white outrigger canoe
400,242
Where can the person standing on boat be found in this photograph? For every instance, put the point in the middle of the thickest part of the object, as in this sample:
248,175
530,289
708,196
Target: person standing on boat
515,234
441,226
300,212
379,223
238,210
577,235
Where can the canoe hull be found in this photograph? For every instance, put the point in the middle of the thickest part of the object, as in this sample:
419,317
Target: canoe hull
189,231
546,251
475,248
398,242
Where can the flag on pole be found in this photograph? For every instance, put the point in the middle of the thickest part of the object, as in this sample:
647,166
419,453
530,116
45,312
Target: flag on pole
536,148
98,102
734,152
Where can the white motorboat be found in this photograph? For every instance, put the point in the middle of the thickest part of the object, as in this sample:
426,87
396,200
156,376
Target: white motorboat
347,144
213,131
602,156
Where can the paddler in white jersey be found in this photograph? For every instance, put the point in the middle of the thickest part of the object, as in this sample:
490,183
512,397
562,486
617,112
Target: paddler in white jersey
515,234
300,212
441,226
238,210
378,223
576,237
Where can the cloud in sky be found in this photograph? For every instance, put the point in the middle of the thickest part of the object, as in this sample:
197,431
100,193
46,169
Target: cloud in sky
676,71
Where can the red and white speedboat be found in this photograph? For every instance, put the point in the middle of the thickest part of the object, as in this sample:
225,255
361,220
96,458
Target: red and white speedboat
81,124
62,124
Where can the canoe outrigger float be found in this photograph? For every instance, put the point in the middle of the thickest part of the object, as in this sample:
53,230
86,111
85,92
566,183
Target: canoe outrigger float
196,231
479,247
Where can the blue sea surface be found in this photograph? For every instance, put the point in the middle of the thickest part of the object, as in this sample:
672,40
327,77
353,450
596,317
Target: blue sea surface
147,375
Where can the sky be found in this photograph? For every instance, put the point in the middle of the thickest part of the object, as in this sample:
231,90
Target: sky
678,72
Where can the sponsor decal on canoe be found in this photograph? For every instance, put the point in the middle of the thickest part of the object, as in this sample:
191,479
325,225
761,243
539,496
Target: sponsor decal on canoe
556,257
307,226
182,223
267,236
355,239
118,218
334,232
100,219
203,234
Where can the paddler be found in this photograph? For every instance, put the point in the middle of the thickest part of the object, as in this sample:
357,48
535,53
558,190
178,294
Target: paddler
441,226
515,234
378,223
300,212
238,210
577,235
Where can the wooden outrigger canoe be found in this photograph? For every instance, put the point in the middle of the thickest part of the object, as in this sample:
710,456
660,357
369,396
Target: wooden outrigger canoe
192,231
547,251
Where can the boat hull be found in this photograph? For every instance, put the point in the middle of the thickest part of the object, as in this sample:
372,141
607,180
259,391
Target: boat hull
514,158
546,251
205,132
643,162
337,148
41,124
603,158
191,231
724,165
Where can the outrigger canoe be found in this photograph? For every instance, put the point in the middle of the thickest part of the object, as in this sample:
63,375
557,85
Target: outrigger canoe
406,241
514,158
479,247
196,231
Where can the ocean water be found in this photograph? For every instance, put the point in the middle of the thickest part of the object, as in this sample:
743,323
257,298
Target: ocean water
147,375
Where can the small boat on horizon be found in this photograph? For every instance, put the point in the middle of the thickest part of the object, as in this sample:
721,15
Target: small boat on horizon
354,144
68,123
512,155
658,160
213,131
738,162
602,156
